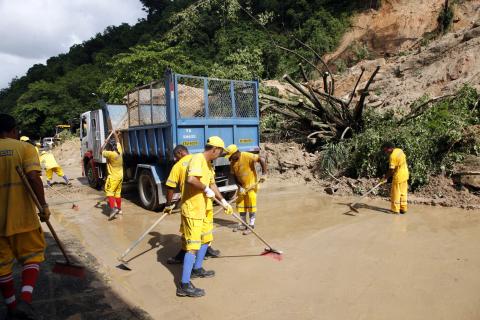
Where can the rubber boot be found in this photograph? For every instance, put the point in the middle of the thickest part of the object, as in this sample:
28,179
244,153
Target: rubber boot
212,253
202,273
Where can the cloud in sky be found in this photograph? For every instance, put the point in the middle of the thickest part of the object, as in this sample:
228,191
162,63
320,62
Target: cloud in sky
31,31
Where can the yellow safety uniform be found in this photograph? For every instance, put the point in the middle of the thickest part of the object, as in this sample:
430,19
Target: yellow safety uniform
246,175
50,164
113,185
197,209
21,236
398,195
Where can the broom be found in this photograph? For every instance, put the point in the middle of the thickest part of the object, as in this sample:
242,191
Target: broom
74,205
352,205
67,268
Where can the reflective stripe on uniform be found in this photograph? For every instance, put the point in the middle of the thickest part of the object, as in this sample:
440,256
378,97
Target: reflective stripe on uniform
10,184
6,263
31,255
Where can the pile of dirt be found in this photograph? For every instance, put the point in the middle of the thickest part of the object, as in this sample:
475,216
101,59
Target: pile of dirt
289,161
68,153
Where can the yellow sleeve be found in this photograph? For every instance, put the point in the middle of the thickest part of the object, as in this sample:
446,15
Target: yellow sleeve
212,179
108,154
195,166
393,160
254,157
172,179
31,162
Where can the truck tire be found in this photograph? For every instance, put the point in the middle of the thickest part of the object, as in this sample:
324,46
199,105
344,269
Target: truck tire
92,178
147,191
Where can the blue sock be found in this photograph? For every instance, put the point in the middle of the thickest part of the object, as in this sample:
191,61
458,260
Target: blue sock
200,255
188,262
65,178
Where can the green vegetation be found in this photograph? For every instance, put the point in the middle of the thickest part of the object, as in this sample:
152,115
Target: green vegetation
222,38
433,140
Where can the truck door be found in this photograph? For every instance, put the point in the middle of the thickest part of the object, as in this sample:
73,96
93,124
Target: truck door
96,125
85,133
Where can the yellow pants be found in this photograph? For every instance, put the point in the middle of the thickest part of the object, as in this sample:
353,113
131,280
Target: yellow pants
57,170
248,202
25,247
398,197
113,187
197,231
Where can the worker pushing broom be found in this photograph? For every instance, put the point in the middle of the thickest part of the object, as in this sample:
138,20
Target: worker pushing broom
21,237
242,165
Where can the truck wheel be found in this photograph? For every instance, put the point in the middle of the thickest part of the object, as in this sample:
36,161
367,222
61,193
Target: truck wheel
147,191
92,178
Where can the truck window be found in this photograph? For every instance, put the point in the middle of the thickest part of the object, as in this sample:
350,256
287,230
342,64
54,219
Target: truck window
84,127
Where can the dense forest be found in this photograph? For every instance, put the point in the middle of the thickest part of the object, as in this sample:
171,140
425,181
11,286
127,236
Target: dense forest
241,39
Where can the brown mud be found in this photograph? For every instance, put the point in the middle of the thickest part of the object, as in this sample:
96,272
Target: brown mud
372,265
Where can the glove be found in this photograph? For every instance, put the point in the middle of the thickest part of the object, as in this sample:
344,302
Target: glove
45,215
383,180
227,208
168,209
263,178
241,191
209,192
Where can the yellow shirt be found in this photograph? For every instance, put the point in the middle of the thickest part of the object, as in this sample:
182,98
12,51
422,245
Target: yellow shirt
194,202
244,169
398,162
178,174
114,162
48,161
17,209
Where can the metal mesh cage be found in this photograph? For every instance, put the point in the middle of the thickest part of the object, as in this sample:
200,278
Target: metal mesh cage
159,108
191,98
132,104
219,99
245,99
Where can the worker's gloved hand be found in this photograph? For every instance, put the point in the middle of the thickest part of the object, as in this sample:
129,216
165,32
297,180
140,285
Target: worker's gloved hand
263,178
209,192
241,191
45,215
168,208
227,208
383,180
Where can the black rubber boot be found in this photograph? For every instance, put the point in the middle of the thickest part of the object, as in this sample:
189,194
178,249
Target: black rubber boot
402,212
178,258
189,290
202,273
212,253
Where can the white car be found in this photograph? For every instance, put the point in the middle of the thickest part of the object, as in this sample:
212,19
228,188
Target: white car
48,142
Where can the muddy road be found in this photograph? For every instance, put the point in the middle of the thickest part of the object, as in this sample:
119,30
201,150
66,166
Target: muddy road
423,265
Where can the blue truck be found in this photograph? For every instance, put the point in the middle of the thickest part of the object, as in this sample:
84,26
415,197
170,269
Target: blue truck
179,109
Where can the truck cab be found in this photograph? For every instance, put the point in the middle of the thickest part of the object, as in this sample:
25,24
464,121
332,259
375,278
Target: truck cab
179,109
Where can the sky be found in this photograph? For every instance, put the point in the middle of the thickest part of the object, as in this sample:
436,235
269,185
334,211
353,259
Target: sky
31,31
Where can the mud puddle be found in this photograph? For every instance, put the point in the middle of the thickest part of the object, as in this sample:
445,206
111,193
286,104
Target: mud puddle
373,265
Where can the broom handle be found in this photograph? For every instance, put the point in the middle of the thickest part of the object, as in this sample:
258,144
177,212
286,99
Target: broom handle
245,224
40,208
113,130
142,237
58,192
236,197
366,194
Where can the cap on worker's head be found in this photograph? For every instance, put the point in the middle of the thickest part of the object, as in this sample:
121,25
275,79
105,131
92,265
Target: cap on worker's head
216,141
43,152
24,138
231,149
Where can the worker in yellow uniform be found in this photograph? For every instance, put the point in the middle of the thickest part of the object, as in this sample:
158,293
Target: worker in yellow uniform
197,209
21,237
177,178
113,185
242,166
48,161
398,169
37,148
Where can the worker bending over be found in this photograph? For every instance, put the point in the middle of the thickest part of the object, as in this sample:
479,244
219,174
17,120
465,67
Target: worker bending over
398,169
242,166
177,178
113,185
197,215
21,237
47,159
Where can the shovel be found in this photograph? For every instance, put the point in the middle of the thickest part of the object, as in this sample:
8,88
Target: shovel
352,205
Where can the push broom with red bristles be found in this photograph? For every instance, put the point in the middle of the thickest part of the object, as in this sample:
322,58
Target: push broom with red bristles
67,267
269,249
